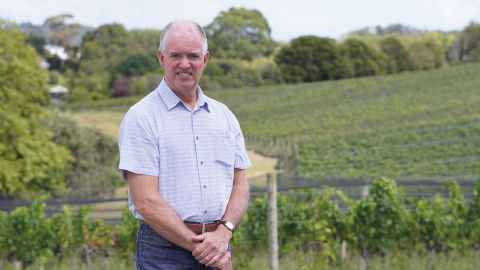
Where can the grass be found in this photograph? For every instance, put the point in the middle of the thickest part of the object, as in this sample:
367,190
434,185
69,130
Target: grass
294,260
416,125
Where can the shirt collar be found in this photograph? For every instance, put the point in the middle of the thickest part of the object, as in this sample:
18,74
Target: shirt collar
171,100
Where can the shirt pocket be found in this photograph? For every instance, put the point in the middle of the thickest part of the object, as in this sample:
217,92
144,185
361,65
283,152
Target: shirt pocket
224,146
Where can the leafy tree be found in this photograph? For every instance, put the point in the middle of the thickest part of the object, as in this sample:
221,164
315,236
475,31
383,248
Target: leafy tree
144,41
62,33
137,64
240,33
102,50
398,59
365,60
29,160
311,58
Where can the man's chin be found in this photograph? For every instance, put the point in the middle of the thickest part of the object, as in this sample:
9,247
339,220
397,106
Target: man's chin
186,86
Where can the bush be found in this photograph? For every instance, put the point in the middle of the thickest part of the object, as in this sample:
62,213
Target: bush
365,60
93,171
426,54
311,58
230,73
398,59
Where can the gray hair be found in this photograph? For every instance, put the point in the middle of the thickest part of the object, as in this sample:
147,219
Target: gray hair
163,35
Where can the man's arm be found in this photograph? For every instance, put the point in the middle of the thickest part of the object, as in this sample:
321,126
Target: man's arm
156,212
214,244
238,203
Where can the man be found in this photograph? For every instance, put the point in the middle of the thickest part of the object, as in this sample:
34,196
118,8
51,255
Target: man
184,157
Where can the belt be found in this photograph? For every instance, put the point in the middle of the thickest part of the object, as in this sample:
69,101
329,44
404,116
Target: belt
200,228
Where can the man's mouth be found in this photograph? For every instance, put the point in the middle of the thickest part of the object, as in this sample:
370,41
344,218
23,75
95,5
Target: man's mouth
184,73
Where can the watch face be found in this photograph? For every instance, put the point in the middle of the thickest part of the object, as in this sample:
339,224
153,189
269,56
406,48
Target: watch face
229,225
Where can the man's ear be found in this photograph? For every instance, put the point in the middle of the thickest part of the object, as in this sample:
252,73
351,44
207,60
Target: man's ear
205,58
161,58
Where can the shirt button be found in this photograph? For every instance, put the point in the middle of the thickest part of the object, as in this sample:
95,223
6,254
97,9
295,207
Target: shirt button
204,186
196,138
201,162
205,211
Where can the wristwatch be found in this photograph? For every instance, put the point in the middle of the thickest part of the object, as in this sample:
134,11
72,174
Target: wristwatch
229,225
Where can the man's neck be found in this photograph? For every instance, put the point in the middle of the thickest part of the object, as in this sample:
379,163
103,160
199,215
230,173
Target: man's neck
189,97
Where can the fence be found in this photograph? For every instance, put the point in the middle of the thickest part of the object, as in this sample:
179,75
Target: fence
110,209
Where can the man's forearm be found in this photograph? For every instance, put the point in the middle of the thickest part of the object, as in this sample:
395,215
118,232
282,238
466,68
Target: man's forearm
157,213
238,203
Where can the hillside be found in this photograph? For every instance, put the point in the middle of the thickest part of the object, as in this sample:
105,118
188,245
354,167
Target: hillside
423,124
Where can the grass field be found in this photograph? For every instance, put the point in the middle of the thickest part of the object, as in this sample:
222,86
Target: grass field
423,124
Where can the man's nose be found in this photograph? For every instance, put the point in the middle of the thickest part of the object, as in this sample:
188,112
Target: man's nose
184,62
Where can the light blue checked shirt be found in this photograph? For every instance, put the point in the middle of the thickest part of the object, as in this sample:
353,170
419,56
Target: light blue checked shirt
193,152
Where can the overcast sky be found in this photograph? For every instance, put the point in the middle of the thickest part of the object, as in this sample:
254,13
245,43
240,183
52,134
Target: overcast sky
288,19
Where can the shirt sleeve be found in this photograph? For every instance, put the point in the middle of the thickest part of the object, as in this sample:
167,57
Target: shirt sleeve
138,147
241,157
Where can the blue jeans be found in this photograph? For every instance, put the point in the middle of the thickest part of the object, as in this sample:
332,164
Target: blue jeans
157,253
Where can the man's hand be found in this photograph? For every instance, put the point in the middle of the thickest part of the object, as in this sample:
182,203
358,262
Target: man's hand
212,248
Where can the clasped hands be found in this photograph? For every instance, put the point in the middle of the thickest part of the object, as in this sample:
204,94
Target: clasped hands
211,249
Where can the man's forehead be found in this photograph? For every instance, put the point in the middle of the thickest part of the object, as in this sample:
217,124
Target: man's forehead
180,50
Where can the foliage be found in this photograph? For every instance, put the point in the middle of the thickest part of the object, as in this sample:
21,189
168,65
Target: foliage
365,60
472,222
137,64
93,170
240,33
398,59
311,222
380,221
469,43
126,233
26,234
30,161
311,58
229,73
426,54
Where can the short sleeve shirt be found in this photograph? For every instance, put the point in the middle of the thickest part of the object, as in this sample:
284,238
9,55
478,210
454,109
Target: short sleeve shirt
192,152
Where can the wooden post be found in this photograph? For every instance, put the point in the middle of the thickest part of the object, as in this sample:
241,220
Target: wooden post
272,223
364,257
343,251
365,191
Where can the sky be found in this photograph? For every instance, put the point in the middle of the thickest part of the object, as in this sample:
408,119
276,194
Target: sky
287,19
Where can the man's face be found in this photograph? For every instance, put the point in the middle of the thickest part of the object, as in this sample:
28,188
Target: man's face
183,60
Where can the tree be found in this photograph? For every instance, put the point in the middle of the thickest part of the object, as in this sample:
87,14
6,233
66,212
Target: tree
29,160
311,58
137,64
240,33
365,60
469,43
398,59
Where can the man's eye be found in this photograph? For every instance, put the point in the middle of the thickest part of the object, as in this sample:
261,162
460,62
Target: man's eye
193,56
